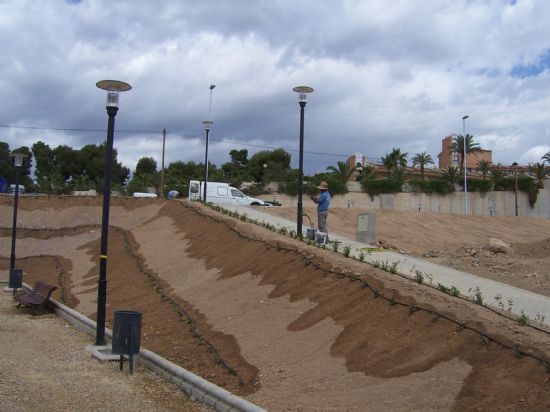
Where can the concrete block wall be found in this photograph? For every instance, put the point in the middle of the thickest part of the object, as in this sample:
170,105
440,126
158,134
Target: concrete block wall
488,204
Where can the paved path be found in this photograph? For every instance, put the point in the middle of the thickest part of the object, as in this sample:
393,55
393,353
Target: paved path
44,367
534,305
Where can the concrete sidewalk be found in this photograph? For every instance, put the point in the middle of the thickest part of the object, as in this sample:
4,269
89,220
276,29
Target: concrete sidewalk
44,367
533,305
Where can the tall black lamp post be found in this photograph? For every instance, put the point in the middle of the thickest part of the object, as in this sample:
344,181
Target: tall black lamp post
113,87
18,163
465,155
515,164
207,125
302,100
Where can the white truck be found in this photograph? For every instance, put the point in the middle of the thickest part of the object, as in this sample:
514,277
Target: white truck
222,193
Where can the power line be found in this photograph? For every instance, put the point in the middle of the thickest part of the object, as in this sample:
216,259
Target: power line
69,129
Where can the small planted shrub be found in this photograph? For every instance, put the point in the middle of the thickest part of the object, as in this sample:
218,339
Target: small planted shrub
523,319
453,291
347,250
476,295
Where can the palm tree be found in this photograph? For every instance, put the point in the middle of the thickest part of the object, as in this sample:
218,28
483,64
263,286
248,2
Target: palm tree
422,159
394,159
458,147
496,175
343,171
451,175
484,167
546,157
368,172
539,170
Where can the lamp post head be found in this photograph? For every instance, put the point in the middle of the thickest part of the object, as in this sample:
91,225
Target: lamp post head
113,88
18,158
303,91
212,86
515,164
207,124
465,117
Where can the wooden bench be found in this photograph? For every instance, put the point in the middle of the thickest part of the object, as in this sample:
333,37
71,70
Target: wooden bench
38,296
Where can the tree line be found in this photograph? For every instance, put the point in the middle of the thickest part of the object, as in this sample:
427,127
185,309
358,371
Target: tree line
62,169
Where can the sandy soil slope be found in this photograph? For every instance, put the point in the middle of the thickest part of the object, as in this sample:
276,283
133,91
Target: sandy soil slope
256,313
457,241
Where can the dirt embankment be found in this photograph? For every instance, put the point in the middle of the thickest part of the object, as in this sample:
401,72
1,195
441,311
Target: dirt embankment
457,241
254,312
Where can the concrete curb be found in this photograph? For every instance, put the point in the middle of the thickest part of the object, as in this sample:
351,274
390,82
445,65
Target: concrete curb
195,386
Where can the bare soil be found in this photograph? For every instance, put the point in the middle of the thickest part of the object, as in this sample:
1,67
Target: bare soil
255,312
457,241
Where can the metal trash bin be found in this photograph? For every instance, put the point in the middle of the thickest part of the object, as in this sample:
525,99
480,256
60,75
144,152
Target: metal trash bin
126,334
16,279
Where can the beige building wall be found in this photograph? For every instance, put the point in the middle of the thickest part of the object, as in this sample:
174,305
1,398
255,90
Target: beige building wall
446,158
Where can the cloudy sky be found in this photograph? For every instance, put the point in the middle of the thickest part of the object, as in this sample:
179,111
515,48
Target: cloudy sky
386,74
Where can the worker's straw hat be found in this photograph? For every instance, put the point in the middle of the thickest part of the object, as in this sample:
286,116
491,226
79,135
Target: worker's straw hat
323,186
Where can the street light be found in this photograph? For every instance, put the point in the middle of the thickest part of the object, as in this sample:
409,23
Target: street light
464,162
162,166
515,164
302,100
18,163
207,125
113,87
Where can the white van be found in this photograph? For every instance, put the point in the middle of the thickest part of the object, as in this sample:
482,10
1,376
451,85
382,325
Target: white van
222,193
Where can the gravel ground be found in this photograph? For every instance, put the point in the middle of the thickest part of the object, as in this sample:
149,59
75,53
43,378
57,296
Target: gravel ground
44,367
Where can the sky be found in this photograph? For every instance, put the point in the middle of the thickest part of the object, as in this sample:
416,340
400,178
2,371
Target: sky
386,75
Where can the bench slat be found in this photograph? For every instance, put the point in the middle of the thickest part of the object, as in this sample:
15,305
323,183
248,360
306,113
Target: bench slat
37,296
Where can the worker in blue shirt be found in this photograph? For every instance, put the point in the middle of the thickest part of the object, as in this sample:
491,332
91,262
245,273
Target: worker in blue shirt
323,202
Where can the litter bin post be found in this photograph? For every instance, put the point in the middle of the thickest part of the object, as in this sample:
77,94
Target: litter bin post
126,335
366,228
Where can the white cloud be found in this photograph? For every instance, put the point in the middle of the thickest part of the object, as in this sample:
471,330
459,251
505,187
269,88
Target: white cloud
399,75
534,154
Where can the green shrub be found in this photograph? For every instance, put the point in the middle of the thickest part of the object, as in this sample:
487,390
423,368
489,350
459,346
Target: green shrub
290,188
478,185
440,187
504,183
335,186
255,189
376,187
528,184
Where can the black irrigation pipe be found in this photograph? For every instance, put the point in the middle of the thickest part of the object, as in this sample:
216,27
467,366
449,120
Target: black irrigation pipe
486,338
61,278
140,262
495,311
58,268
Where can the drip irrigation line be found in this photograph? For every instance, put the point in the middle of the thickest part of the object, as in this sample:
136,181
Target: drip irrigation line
141,266
466,299
495,311
486,338
58,268
181,311
61,279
